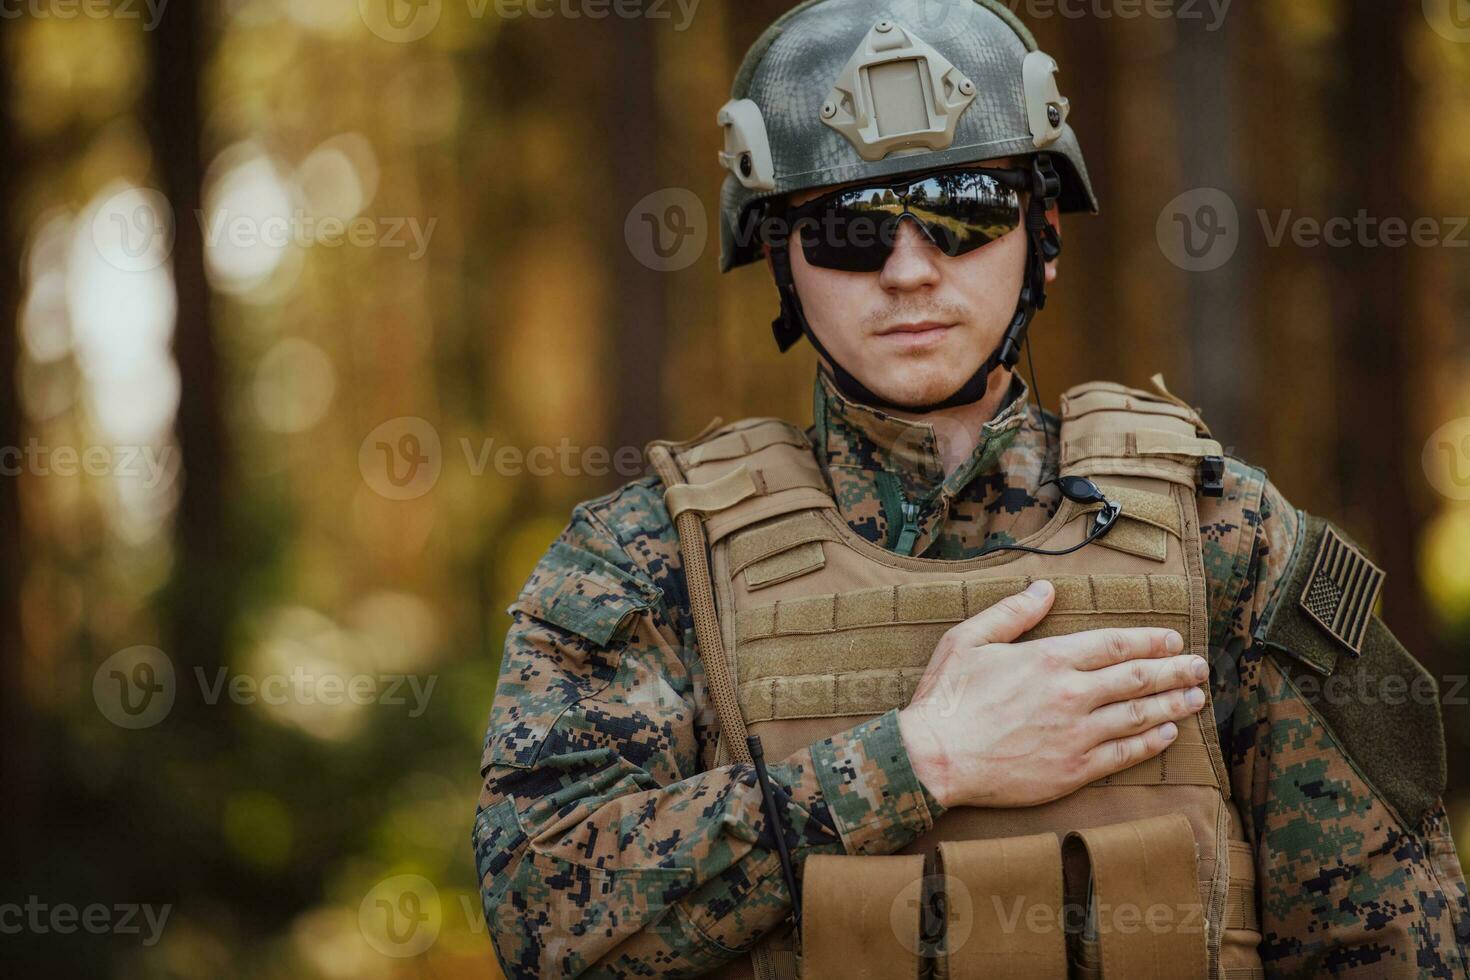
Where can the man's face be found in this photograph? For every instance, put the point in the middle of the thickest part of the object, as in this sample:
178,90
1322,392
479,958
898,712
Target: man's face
919,328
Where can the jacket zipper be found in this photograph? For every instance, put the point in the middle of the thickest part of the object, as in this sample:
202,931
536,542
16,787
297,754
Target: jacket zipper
909,534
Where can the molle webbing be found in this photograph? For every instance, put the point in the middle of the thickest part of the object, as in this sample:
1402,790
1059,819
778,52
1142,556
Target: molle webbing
751,472
1111,430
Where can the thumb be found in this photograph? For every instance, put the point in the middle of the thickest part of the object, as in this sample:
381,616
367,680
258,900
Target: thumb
1005,621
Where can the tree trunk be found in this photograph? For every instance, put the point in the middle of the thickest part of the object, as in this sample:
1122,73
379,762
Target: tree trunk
201,595
1378,311
1206,137
639,306
13,709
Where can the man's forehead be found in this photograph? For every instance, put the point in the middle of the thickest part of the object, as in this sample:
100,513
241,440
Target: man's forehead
797,198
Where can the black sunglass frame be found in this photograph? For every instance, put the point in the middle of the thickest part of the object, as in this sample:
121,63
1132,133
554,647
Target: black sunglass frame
1016,179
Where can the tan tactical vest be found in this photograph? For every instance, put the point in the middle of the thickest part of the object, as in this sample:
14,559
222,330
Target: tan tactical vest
806,629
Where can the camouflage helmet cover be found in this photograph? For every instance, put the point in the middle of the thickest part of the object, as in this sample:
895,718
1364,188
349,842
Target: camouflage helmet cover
842,90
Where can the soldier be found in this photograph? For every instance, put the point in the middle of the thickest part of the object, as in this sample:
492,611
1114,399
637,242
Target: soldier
1042,695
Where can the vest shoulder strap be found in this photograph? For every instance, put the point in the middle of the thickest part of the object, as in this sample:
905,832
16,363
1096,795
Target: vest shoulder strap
740,474
1112,430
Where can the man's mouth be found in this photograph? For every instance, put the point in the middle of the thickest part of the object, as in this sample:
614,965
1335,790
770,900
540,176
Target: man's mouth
917,334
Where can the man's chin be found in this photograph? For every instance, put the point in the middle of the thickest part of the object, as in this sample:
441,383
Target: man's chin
918,393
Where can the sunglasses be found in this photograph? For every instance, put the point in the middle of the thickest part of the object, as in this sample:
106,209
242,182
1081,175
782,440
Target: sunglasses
854,229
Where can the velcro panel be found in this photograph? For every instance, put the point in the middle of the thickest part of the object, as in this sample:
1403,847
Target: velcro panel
785,566
1137,538
762,508
755,543
1145,910
860,917
987,884
1157,509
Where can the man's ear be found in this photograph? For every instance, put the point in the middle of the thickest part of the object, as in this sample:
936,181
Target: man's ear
1055,217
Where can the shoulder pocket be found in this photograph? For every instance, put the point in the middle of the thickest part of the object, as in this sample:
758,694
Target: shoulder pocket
1379,703
584,594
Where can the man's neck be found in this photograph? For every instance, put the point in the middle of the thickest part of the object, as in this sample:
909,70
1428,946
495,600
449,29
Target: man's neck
958,430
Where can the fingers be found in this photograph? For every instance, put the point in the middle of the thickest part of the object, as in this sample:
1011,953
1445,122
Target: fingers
1008,618
1138,678
1096,649
1125,718
1123,753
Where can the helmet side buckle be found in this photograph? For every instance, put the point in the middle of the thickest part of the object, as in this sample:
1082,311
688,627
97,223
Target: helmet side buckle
747,152
1046,110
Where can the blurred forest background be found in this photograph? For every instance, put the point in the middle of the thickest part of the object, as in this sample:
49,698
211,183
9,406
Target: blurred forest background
294,837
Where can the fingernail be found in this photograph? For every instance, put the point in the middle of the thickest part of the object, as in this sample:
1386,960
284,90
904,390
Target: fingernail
1169,731
1174,643
1199,668
1039,590
1195,697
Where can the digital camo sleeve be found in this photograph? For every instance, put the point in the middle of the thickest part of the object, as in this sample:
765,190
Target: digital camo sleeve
1336,750
604,846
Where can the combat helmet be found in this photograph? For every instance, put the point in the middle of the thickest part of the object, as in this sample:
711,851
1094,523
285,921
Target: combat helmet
837,91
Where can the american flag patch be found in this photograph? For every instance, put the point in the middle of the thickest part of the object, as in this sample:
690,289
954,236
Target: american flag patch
1342,590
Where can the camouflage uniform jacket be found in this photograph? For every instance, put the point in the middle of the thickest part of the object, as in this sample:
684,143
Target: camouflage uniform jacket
608,845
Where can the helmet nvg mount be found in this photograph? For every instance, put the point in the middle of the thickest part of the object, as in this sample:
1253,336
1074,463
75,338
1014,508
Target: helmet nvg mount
837,91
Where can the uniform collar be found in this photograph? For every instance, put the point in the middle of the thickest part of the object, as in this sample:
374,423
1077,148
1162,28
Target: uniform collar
850,435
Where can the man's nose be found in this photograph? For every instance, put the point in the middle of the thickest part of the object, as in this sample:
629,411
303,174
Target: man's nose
915,259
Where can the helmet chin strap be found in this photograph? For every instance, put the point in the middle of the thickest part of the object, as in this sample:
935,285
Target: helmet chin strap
1042,246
